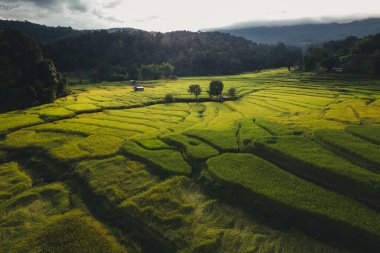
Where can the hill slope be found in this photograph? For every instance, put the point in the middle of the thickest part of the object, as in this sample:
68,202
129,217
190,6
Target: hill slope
306,34
40,33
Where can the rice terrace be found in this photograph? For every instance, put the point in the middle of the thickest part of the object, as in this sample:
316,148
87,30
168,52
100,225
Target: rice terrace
291,163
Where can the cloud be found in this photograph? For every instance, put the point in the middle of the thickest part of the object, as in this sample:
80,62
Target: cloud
112,4
298,21
99,14
73,5
146,19
8,7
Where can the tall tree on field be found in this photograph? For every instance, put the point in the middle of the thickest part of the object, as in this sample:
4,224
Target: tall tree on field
195,89
216,88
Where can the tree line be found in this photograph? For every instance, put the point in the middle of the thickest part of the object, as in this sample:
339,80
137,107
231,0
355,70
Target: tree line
26,77
353,55
123,55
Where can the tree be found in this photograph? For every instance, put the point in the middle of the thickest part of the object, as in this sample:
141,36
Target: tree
232,92
26,77
195,89
155,71
167,70
328,63
216,88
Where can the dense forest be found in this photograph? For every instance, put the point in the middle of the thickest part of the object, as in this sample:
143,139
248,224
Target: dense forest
26,77
354,55
111,55
42,34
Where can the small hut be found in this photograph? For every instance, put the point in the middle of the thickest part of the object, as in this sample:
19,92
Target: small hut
139,88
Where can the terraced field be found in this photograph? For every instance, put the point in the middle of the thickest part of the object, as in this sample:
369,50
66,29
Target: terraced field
291,165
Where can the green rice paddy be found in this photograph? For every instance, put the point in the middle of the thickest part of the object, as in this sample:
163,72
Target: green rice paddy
291,165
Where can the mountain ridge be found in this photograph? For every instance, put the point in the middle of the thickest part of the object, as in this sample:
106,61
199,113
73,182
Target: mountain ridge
304,35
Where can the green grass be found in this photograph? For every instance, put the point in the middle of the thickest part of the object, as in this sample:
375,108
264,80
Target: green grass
73,232
167,209
309,160
249,132
83,137
116,178
224,140
351,147
22,214
275,128
154,144
168,161
270,185
12,181
370,133
194,148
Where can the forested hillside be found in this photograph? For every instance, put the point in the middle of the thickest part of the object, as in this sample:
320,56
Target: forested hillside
42,34
211,53
26,77
354,55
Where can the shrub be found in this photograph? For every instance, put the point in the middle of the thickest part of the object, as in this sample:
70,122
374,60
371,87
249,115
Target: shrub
232,92
169,98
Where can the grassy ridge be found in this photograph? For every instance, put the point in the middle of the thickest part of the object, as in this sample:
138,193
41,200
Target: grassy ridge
73,232
116,178
351,146
169,161
194,149
370,133
250,132
22,214
309,160
275,128
12,181
154,144
224,140
274,188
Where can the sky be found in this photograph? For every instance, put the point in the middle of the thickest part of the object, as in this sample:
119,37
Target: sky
192,15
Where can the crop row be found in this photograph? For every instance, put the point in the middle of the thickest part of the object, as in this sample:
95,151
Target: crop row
263,186
309,160
350,146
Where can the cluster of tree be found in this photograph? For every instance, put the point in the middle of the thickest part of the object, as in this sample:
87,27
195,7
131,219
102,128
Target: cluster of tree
215,89
155,71
125,54
26,78
353,54
41,34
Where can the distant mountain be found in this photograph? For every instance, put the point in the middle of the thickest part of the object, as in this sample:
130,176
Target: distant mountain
124,29
304,35
40,33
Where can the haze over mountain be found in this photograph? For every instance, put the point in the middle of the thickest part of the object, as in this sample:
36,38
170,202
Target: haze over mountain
304,34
